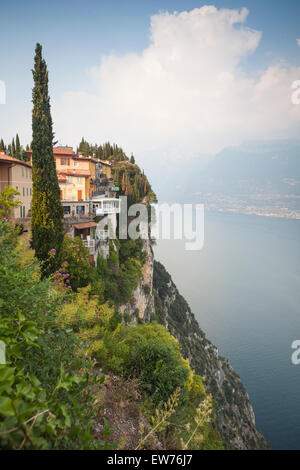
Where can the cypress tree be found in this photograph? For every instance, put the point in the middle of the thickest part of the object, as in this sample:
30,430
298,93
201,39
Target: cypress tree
18,147
2,145
47,211
13,149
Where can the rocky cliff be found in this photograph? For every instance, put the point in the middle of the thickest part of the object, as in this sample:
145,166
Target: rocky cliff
141,305
236,419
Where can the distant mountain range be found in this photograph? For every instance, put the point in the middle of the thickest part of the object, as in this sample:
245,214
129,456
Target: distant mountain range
260,177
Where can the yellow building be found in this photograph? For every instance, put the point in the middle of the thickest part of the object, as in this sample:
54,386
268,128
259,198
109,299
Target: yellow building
17,174
106,168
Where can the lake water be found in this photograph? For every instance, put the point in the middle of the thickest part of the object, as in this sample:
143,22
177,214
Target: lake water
244,288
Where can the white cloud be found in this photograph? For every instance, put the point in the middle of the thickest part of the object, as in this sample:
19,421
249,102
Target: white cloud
298,42
186,93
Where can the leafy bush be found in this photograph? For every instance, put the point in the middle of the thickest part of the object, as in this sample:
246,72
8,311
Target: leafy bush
150,353
78,257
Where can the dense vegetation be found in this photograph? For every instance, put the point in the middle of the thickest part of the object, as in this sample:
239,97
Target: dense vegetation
106,151
44,383
133,183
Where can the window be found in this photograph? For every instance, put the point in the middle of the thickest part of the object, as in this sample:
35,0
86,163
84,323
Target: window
75,163
22,171
23,191
26,172
67,210
23,211
64,161
30,192
79,210
69,179
79,179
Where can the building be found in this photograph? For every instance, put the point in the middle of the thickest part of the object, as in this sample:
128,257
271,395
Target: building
17,174
87,190
106,168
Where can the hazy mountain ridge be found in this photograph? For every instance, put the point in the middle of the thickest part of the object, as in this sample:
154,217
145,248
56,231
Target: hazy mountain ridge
260,177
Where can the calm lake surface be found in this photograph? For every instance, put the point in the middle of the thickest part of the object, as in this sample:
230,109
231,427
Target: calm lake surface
244,288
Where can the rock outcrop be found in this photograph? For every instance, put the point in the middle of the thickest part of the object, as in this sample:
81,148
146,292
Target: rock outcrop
141,305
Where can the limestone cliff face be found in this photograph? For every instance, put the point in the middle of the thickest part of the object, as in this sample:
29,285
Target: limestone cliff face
142,302
236,419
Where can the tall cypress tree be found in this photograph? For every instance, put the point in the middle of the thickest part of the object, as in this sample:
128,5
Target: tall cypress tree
13,149
18,147
47,211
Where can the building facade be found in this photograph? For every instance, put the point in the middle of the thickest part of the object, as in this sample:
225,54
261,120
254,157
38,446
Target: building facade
17,174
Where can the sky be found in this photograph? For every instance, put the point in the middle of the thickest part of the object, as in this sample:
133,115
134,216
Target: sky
166,80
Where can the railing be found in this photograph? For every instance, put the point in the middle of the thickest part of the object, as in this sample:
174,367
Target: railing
107,210
91,245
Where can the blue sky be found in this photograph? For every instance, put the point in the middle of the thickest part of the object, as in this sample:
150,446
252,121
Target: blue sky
76,34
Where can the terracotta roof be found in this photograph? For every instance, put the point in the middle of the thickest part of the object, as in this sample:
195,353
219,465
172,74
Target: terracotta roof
63,151
9,159
67,151
85,225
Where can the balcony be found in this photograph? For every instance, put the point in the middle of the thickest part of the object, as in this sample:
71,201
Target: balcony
107,210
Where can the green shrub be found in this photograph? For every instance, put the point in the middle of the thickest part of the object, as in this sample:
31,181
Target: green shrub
77,256
150,353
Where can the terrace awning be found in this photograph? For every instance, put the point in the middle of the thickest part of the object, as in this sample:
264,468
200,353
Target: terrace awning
85,225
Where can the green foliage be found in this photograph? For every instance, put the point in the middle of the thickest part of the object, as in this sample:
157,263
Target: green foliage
133,183
44,384
150,353
106,151
120,273
77,255
47,211
8,201
101,267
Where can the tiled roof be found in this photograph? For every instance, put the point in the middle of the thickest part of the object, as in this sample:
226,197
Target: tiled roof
8,159
85,225
67,151
63,151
